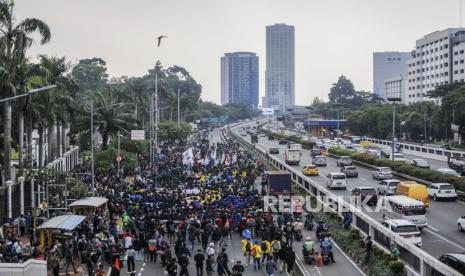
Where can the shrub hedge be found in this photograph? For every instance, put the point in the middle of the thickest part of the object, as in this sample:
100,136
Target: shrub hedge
351,241
403,168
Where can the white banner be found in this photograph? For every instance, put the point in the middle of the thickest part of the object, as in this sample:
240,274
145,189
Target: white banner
138,135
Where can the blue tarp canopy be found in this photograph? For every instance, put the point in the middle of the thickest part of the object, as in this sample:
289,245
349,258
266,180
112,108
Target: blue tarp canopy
65,222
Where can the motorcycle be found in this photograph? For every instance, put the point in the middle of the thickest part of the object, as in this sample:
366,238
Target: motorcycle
297,235
326,257
309,258
309,225
323,233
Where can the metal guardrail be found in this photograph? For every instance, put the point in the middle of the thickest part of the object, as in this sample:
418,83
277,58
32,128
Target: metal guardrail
440,153
420,261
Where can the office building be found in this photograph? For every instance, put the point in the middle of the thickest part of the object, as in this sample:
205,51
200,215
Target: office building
239,78
438,59
387,65
280,67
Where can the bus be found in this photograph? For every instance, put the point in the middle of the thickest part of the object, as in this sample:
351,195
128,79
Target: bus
403,207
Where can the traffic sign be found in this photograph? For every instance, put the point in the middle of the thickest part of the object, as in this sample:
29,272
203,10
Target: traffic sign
118,158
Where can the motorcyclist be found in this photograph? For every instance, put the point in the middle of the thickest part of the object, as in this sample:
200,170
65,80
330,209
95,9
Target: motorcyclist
297,226
326,247
319,228
308,245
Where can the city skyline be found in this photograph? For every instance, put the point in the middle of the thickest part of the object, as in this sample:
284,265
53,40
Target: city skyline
126,38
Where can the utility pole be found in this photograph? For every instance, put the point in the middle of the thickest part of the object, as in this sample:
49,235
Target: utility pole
92,143
179,111
118,161
151,131
157,116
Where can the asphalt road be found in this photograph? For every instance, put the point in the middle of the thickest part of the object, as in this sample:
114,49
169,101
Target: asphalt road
441,236
343,265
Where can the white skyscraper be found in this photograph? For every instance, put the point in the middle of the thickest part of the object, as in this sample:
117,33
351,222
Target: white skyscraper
438,59
280,66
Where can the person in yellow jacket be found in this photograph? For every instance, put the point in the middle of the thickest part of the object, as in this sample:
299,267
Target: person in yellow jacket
257,255
275,247
247,248
266,248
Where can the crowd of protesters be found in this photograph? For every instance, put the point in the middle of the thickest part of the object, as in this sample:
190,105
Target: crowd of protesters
181,209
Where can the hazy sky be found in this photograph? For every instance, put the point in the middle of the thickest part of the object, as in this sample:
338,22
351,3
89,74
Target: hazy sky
333,37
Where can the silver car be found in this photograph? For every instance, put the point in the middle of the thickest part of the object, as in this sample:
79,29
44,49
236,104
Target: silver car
380,173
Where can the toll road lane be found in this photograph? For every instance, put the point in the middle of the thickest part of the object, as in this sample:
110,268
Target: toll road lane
441,215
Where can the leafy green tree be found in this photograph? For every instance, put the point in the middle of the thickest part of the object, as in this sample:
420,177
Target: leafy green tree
14,41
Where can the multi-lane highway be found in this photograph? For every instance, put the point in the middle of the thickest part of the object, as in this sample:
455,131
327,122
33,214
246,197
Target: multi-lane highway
440,237
343,265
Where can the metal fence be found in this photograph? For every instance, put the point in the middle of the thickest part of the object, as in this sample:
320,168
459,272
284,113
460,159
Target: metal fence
418,260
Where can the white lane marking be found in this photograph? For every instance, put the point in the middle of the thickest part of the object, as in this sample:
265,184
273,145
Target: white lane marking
144,264
435,229
142,269
442,238
139,274
363,178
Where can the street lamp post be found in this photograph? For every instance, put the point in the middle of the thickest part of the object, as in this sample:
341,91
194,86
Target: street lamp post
92,109
394,100
179,111
92,144
337,105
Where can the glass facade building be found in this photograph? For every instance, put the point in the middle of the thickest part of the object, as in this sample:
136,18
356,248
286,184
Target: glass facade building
280,66
239,78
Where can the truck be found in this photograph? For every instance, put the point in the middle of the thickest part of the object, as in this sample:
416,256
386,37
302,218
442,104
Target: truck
292,156
278,182
294,146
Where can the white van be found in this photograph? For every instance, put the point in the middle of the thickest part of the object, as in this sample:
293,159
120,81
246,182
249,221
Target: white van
403,207
336,180
406,229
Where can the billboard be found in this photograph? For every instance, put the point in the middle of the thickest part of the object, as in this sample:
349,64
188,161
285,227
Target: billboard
268,111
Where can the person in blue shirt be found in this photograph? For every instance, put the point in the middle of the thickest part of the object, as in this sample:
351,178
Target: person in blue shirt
326,246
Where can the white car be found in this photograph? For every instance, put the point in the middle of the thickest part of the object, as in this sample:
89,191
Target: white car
388,186
336,180
448,171
442,191
381,173
398,157
406,229
461,223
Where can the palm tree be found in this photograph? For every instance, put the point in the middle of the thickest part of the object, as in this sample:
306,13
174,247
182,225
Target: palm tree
54,69
14,41
110,115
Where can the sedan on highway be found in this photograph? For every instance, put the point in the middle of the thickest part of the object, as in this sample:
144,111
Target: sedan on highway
273,151
448,171
420,163
461,223
388,186
344,161
282,142
350,171
442,191
366,192
311,170
382,173
319,161
406,229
